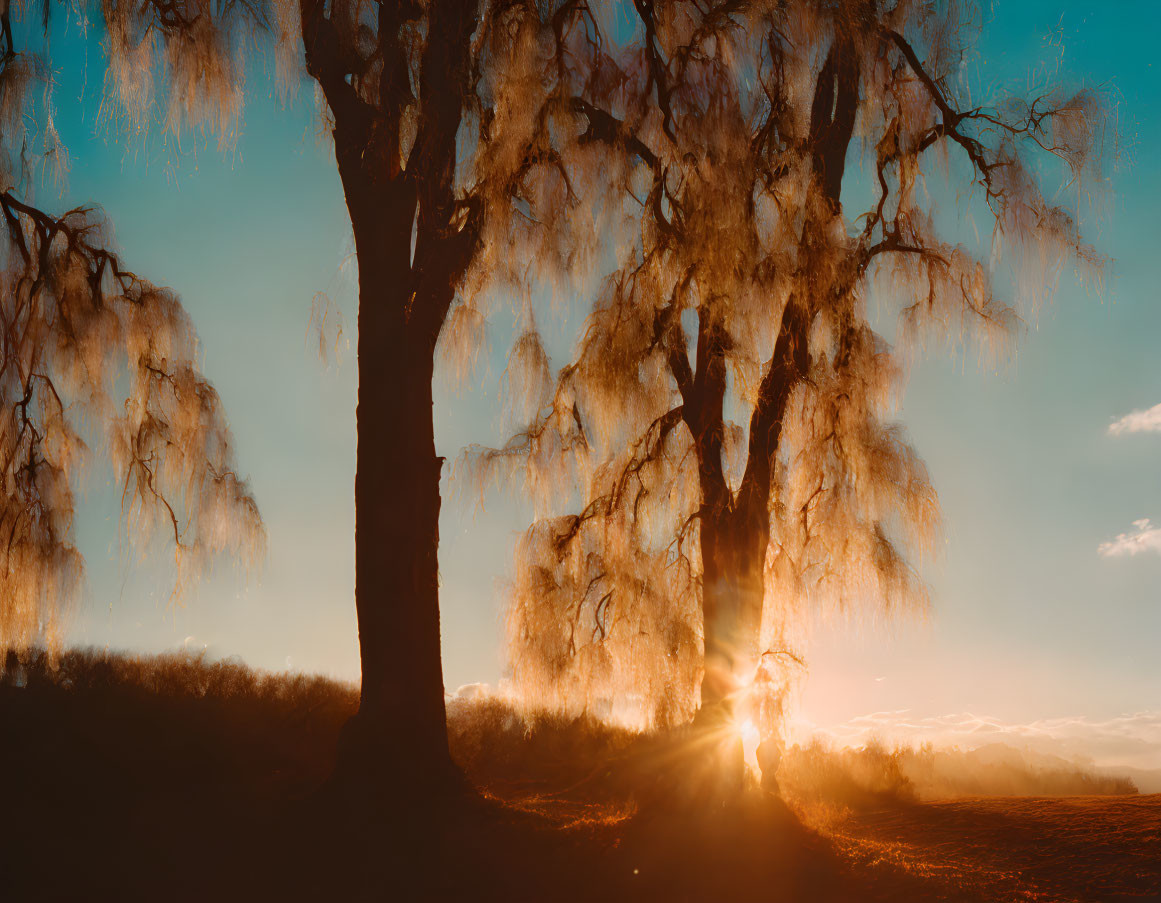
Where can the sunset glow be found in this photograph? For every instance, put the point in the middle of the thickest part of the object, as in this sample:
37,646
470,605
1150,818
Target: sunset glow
751,406
750,740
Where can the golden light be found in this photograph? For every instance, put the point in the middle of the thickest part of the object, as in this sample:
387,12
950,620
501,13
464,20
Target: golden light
750,740
743,705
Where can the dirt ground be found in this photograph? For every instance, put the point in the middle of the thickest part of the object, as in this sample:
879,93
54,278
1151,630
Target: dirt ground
1104,848
174,780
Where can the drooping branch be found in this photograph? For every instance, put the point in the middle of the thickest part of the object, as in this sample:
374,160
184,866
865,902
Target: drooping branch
72,316
658,69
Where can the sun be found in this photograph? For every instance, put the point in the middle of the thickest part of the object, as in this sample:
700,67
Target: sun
750,740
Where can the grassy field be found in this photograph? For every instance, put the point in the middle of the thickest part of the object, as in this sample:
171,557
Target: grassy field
171,778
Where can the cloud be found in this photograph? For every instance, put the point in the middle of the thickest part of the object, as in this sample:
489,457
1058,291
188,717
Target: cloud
1138,422
1144,538
1132,739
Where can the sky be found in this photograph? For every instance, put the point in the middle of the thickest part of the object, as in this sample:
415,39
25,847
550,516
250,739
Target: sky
1045,594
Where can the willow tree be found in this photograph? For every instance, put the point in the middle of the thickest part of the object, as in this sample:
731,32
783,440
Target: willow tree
442,115
774,160
89,348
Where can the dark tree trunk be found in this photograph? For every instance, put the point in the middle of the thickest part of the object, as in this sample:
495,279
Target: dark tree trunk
400,729
399,736
722,607
397,503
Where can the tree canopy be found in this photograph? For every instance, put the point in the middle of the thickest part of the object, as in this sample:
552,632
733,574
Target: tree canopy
90,349
731,185
769,172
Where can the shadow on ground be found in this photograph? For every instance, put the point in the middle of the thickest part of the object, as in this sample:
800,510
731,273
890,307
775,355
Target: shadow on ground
175,779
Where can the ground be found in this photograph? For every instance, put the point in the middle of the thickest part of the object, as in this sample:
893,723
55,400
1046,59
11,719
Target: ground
174,779
1016,848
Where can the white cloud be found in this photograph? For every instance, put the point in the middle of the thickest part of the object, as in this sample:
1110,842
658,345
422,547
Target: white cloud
1138,422
1144,538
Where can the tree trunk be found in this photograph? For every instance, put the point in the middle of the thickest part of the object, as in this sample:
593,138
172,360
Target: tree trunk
411,258
735,529
400,732
733,548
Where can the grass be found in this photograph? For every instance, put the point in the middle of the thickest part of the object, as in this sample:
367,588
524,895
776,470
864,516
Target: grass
175,778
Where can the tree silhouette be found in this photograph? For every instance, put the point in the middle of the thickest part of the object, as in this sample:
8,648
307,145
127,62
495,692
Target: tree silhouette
774,161
487,144
443,116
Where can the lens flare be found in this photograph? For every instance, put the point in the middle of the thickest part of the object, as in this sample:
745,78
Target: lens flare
750,740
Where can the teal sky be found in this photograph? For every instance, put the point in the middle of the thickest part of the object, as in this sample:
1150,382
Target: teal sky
1028,620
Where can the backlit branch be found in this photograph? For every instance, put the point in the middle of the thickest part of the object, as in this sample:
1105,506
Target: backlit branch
72,316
